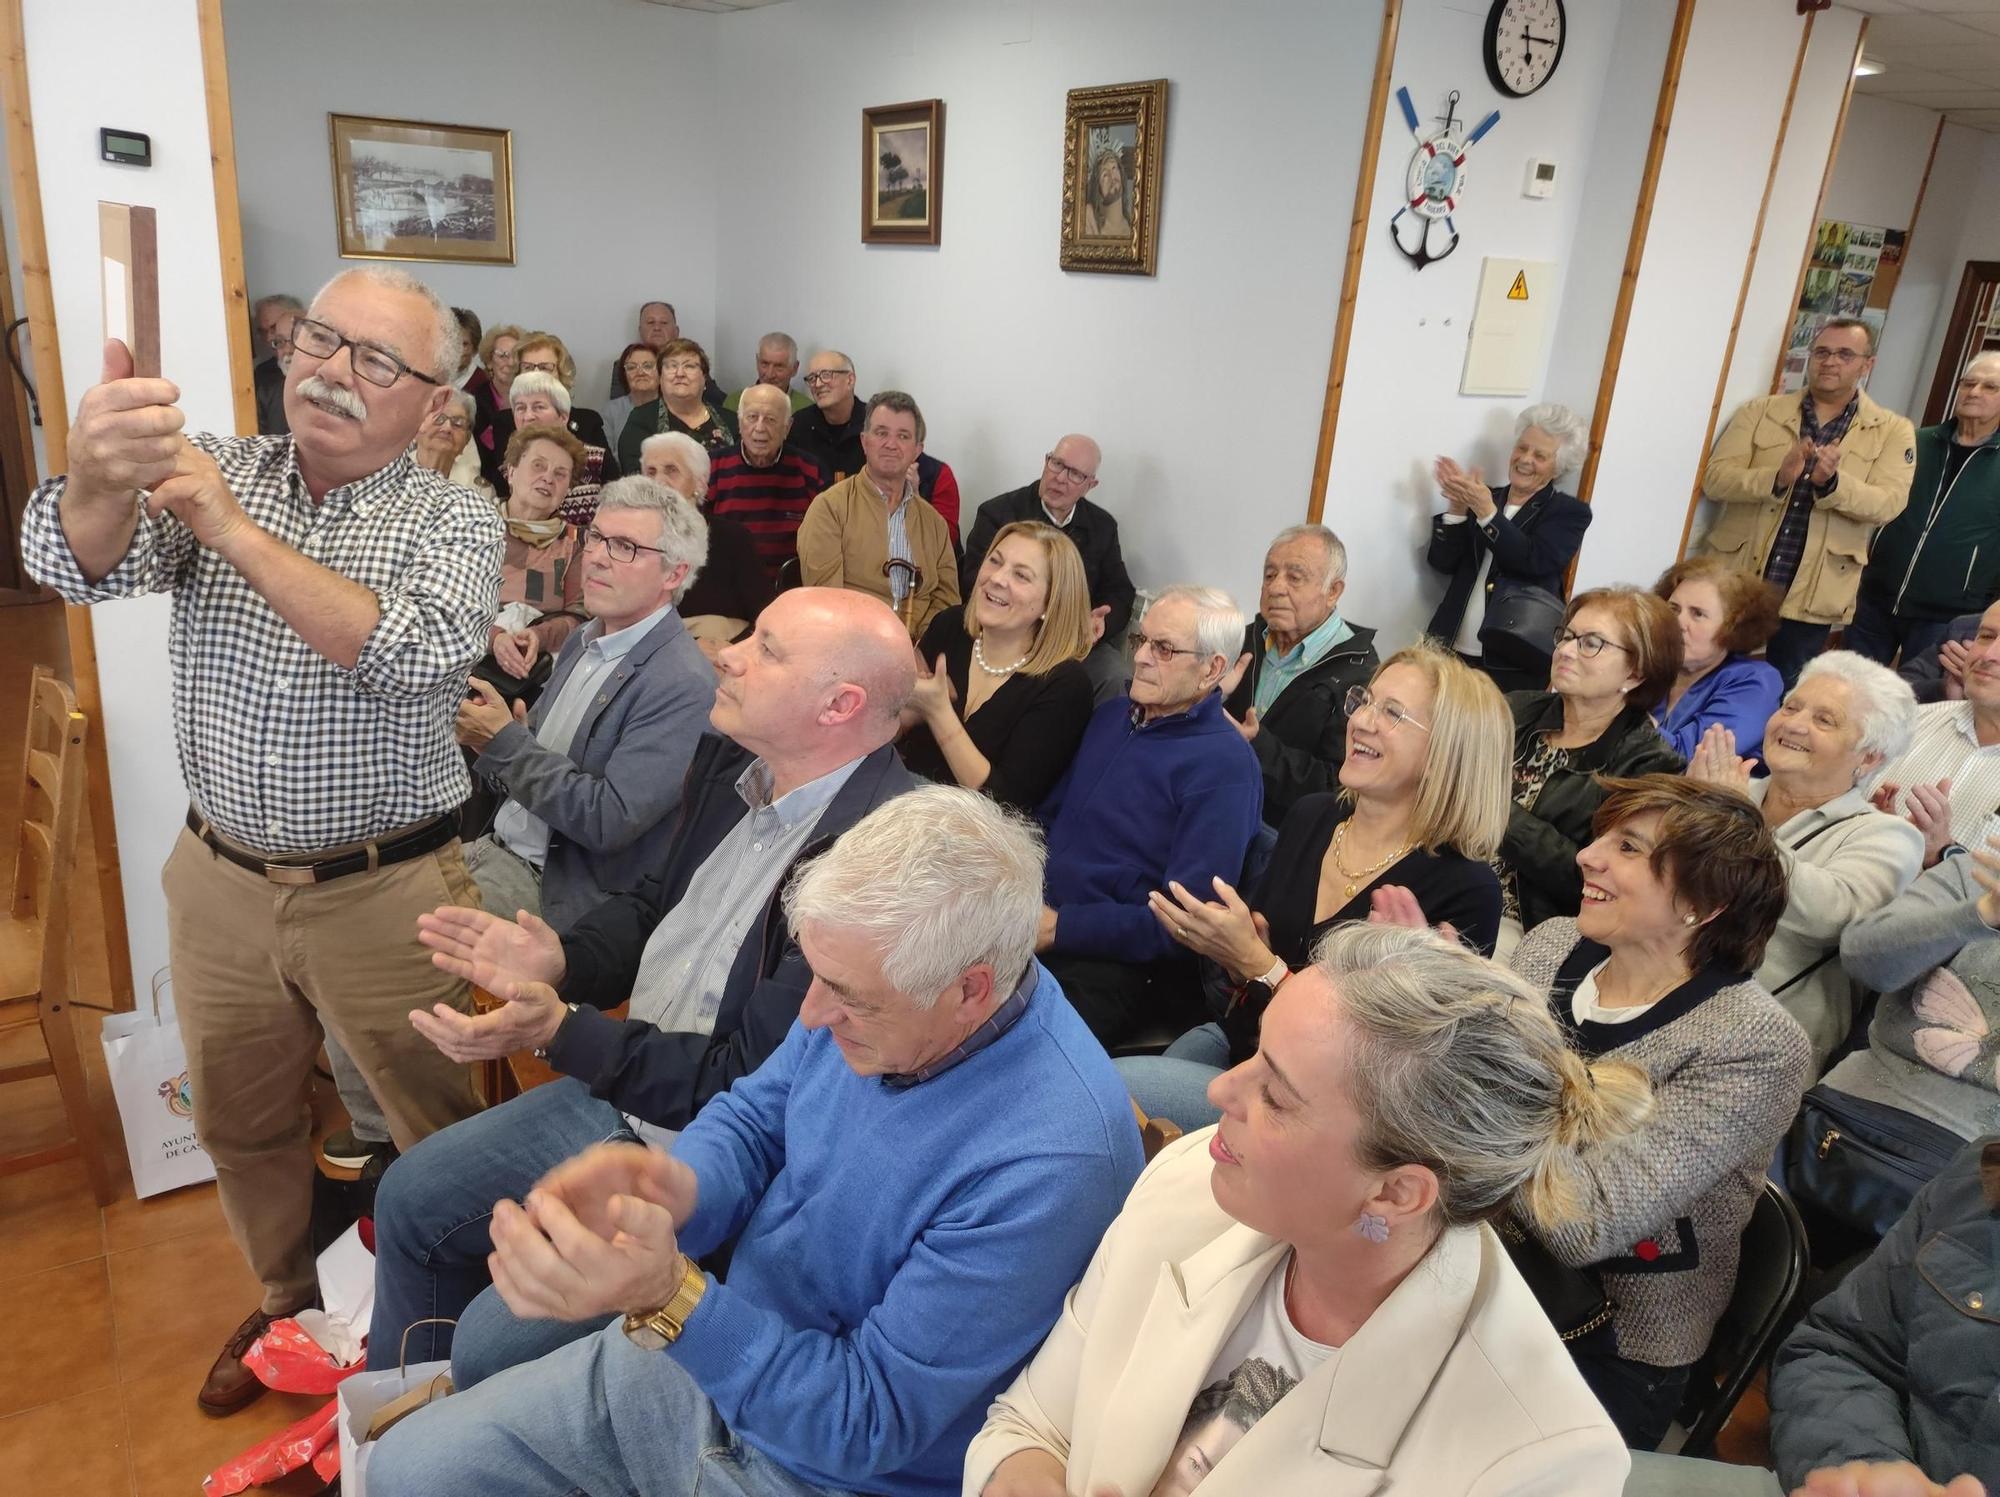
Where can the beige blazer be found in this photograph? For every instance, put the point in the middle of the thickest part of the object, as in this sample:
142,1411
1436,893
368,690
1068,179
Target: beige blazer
1878,459
1456,1385
844,542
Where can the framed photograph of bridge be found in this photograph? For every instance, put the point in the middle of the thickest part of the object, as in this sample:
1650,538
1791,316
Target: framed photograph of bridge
405,190
902,173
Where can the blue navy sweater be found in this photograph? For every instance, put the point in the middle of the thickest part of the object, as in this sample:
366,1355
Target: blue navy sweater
903,1251
1177,798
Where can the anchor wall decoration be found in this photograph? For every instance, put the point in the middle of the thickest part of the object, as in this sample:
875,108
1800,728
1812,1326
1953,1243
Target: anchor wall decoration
1435,181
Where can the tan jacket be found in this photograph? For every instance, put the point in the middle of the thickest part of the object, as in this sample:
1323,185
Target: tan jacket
844,542
1456,1385
1878,458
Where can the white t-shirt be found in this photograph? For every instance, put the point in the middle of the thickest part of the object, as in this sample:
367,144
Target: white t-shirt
1263,1359
1467,642
1585,1009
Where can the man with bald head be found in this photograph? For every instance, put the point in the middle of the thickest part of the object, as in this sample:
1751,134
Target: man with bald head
831,429
764,481
805,719
1069,472
330,596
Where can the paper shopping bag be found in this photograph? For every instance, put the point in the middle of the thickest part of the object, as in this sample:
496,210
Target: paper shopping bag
365,1411
149,1077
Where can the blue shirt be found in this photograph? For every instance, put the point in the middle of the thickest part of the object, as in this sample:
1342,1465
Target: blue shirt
1279,671
896,1267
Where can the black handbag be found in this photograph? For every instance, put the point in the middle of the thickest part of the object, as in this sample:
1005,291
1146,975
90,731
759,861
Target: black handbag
1862,1163
1573,1298
1519,629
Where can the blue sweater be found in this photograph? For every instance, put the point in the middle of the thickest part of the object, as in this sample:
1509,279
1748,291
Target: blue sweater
903,1251
1178,798
1741,694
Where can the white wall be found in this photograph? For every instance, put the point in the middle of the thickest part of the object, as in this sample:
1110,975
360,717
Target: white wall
1401,407
611,105
1204,383
1733,81
151,81
1881,162
1959,222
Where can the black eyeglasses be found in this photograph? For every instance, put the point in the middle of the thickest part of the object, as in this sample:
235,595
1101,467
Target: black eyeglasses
1590,646
1392,714
827,376
376,365
1164,651
1837,355
1064,470
616,546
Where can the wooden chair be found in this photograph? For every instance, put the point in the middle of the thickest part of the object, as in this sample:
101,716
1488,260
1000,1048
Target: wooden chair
34,936
1154,1133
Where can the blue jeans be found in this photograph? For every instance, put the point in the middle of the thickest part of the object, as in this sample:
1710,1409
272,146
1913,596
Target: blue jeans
1792,646
434,1204
1175,1085
598,1416
1877,633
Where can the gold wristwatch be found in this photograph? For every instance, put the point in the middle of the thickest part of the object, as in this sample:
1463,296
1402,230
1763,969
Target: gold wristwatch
661,1328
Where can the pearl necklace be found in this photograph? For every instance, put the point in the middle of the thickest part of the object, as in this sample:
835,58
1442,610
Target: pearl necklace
979,654
1357,878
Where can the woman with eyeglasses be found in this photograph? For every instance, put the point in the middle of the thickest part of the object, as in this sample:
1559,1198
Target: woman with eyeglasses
1825,747
640,367
543,393
1407,840
681,406
1616,655
488,388
444,443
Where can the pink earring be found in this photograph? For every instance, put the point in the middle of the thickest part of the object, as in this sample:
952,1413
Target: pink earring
1374,1228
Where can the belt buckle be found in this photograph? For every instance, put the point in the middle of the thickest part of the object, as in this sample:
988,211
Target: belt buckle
290,873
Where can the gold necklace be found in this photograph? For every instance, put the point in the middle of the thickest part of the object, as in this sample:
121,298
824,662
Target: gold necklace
1356,878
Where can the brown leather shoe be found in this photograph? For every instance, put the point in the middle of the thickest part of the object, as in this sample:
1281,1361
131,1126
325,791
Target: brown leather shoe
231,1385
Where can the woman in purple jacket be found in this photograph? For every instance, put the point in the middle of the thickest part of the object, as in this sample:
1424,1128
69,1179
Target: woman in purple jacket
1724,615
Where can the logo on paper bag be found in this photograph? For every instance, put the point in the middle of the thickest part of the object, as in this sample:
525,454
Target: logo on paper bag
178,1095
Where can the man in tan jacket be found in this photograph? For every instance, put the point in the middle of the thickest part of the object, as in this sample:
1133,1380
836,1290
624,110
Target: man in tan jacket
855,537
1804,480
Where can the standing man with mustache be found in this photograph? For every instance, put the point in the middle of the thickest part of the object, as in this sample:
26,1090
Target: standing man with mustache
330,595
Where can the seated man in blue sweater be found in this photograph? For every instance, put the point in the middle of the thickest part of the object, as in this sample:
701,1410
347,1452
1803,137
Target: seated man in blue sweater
912,1181
1163,789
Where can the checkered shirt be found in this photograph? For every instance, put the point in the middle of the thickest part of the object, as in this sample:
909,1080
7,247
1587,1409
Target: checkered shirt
1788,546
281,749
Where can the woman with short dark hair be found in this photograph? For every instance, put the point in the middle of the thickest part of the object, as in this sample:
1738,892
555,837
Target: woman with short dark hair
1725,617
1681,891
1615,658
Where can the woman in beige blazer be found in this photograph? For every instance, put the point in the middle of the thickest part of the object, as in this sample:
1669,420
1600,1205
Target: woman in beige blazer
1292,1302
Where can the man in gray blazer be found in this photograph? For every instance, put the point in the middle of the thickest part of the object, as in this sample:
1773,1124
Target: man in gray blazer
594,773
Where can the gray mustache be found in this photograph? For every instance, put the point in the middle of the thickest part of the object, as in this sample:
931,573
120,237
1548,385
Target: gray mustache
312,387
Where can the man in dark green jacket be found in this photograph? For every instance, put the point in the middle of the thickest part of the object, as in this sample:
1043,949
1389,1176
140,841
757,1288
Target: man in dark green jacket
1941,556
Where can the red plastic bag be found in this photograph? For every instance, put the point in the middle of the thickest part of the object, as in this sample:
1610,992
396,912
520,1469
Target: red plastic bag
313,1439
289,1360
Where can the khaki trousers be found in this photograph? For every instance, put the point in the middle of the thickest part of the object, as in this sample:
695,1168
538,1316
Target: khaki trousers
260,969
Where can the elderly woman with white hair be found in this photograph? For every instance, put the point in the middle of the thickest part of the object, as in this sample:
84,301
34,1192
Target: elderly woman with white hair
1523,534
1825,747
444,443
734,587
1311,1296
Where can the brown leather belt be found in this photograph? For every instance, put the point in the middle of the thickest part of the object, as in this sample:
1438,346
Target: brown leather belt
306,868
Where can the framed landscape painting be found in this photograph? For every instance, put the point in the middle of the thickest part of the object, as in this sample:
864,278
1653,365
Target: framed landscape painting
902,173
1113,150
405,190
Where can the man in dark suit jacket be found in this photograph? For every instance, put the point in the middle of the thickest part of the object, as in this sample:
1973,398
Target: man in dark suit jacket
1069,472
805,717
1301,659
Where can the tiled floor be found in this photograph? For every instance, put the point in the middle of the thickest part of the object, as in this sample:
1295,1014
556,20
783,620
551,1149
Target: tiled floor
114,1315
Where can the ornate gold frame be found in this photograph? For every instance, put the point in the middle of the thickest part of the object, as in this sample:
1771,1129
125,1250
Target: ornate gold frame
1143,104
342,130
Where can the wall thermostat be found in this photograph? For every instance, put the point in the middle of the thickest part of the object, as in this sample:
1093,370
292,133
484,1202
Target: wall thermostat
126,147
1541,182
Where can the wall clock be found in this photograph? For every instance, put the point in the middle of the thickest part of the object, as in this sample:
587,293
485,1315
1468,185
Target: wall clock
1524,42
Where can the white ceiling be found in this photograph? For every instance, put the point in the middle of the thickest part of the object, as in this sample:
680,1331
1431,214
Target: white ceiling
1936,54
716,5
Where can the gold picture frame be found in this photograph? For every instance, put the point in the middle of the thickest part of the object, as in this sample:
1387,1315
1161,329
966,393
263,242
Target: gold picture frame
1114,146
408,190
902,173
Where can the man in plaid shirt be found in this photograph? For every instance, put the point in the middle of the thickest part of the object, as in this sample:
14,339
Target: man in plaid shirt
330,596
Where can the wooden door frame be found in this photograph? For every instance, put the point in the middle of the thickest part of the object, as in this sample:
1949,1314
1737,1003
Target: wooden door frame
1975,274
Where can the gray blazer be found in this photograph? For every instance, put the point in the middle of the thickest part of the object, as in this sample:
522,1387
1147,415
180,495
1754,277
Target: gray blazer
609,802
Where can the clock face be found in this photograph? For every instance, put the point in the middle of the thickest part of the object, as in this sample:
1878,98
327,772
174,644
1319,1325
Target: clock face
1524,42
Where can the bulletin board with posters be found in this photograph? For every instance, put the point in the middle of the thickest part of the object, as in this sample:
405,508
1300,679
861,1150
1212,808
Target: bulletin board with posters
1852,273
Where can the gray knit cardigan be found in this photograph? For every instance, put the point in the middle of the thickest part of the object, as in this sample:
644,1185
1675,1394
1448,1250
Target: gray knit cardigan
1667,1206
